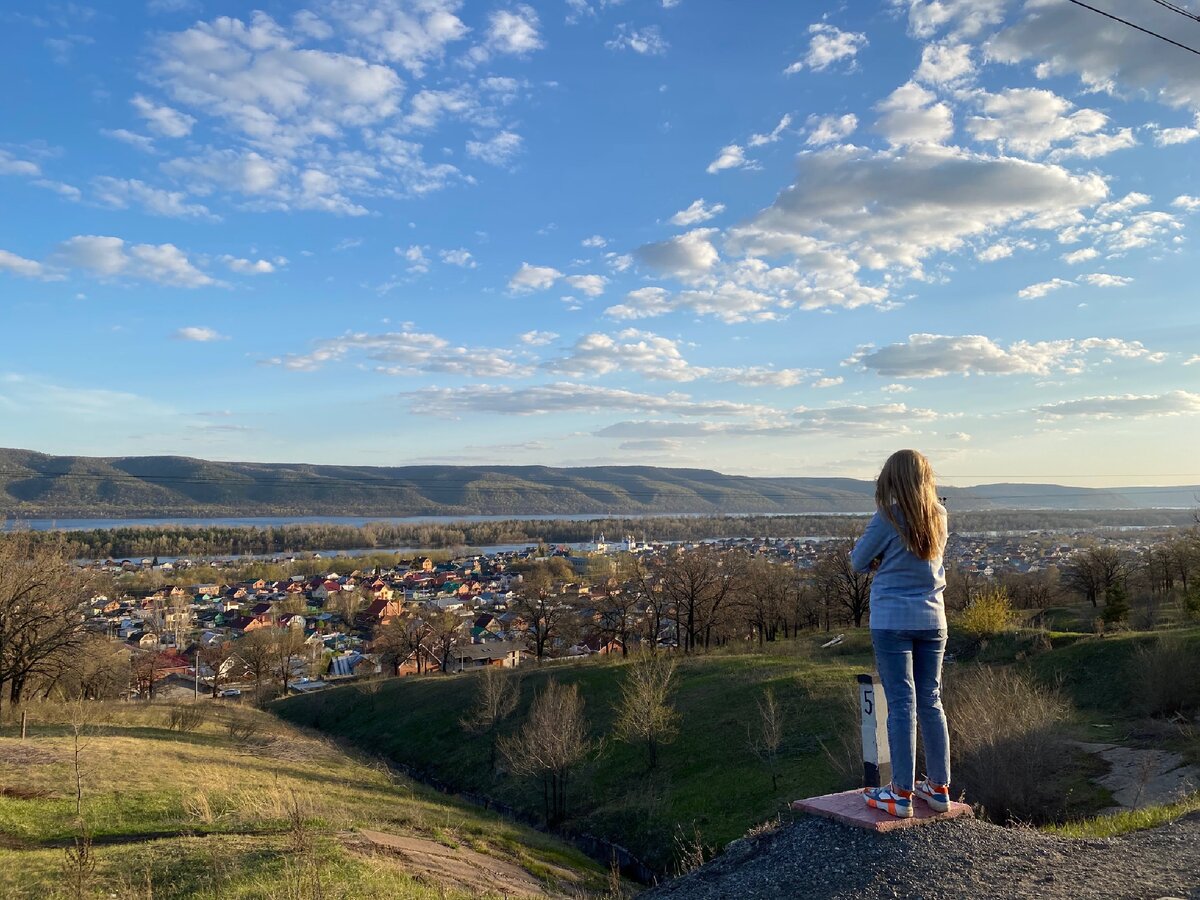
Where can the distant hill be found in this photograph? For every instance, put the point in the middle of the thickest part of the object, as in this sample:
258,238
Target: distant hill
36,485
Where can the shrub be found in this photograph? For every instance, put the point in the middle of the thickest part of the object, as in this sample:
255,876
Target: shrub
186,718
988,615
1005,750
1191,603
1165,678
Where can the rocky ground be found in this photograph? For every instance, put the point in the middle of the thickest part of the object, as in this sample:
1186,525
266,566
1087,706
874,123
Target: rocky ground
825,860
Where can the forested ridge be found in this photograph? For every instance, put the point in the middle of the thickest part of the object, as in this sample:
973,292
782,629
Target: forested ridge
36,485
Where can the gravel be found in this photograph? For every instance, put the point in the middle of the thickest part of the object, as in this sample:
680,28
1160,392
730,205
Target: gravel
821,859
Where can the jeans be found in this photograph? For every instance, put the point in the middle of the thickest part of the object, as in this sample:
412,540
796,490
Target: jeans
910,667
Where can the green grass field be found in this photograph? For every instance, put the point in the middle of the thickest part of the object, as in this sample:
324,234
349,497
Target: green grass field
708,781
278,813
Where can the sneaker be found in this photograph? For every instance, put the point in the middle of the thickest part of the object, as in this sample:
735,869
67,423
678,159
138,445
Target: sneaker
890,800
936,795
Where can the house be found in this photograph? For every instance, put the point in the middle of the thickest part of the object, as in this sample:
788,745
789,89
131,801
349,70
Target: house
383,611
508,654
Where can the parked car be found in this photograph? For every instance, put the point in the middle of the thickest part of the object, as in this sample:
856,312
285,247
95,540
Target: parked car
231,692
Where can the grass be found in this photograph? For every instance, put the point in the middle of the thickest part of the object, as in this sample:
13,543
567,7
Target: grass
1127,821
708,780
200,814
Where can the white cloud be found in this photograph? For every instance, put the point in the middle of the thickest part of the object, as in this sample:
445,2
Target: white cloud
828,382
533,278
1187,203
19,265
646,41
759,140
961,18
589,285
106,257
11,165
514,31
1125,406
696,213
198,333
163,120
140,141
912,115
595,241
407,352
563,397
937,355
828,45
460,257
411,34
684,256
842,421
498,150
248,266
1167,137
830,129
731,156
1042,288
1192,360
945,64
850,206
418,262
121,193
1077,256
1029,121
1104,280
1090,146
537,338
660,359
896,389
277,95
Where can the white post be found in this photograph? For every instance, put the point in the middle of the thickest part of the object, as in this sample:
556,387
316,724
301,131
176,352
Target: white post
877,757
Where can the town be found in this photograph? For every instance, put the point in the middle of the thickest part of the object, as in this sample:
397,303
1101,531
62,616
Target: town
310,621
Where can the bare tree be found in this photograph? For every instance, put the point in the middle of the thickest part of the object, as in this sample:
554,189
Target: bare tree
644,713
546,614
220,659
400,638
256,652
551,743
1093,572
496,696
690,580
767,738
285,645
767,589
839,584
41,609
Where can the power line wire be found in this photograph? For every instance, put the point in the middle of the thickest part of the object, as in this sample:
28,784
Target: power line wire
1187,13
1161,37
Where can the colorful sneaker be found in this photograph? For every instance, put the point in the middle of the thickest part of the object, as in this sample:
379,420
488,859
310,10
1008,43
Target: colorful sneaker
890,800
936,795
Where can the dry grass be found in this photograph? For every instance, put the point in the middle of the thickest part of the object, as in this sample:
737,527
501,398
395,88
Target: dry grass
1165,677
1005,747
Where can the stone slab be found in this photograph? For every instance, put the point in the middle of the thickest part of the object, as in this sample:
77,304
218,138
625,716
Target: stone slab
850,808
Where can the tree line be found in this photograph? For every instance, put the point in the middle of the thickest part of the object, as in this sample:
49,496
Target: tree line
135,542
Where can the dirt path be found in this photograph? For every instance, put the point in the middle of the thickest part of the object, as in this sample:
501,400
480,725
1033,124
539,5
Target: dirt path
1139,777
462,867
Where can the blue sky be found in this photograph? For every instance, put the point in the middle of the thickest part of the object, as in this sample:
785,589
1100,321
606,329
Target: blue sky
769,238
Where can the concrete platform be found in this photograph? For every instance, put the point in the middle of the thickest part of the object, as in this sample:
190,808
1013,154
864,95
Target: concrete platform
850,808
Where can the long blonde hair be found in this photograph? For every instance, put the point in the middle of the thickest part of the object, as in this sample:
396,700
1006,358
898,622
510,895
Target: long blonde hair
907,483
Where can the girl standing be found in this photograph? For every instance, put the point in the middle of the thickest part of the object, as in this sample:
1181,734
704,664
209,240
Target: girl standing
904,543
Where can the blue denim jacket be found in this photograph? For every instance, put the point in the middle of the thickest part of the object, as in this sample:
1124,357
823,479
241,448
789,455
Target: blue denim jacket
906,593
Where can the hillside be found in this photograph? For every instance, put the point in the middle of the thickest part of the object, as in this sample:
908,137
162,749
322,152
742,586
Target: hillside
260,810
36,485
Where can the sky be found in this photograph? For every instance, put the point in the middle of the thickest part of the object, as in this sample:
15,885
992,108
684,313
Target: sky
769,238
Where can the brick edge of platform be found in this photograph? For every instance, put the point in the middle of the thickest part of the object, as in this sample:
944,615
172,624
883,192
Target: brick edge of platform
848,807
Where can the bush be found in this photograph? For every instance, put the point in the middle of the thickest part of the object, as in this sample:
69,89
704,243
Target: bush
1005,750
988,615
1116,605
1165,678
186,718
